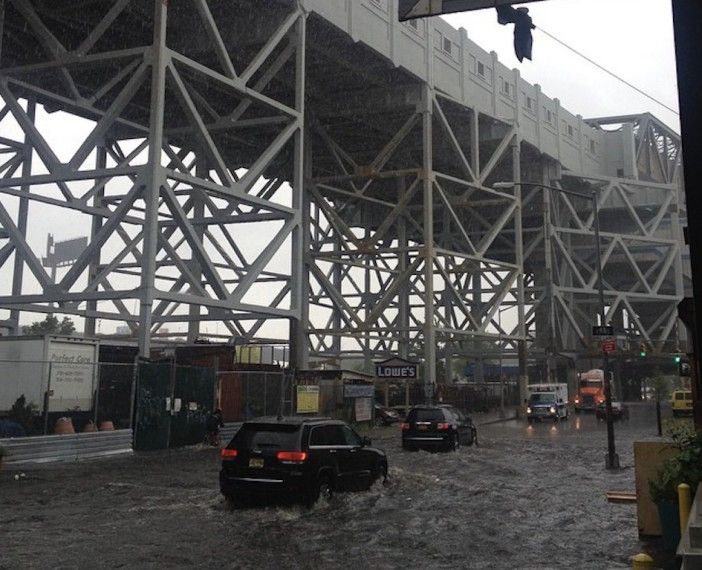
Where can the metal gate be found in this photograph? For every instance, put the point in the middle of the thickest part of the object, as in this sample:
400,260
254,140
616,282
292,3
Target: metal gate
245,394
173,403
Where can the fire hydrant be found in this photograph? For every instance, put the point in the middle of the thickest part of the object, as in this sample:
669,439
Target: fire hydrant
642,562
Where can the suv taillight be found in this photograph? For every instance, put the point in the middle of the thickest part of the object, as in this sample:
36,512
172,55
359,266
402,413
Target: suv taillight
228,453
404,425
291,456
443,425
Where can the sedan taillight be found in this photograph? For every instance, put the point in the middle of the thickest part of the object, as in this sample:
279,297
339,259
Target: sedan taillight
228,453
291,456
443,425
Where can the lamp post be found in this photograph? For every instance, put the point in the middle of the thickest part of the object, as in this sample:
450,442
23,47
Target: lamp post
612,459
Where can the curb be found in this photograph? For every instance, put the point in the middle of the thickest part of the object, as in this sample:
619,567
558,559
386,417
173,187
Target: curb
499,420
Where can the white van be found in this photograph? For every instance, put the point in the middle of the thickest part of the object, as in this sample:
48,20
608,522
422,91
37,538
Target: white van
547,401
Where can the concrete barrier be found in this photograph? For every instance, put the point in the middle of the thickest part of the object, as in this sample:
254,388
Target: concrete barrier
72,447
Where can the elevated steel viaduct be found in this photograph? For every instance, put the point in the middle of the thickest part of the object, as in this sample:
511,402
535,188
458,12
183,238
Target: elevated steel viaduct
318,164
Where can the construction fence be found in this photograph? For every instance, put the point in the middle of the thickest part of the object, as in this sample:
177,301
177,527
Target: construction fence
46,397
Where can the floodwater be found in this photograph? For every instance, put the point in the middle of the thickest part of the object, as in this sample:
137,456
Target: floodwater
528,497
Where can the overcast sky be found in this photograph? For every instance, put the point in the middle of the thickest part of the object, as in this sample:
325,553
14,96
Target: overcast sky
632,38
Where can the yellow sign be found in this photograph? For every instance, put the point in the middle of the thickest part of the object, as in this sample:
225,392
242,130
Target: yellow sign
307,399
246,354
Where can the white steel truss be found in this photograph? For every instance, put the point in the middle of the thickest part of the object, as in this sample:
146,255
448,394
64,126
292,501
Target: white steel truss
192,142
250,166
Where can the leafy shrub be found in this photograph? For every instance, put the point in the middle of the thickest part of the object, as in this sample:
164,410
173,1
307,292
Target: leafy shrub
684,467
23,413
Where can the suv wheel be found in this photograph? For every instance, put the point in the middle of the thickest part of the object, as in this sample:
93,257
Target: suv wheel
381,472
455,442
322,490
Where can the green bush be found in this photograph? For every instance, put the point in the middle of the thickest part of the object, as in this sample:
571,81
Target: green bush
23,413
684,467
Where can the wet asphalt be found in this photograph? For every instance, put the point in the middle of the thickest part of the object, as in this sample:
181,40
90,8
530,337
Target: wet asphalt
527,497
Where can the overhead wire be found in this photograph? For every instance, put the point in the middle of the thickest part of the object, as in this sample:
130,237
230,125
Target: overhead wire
608,72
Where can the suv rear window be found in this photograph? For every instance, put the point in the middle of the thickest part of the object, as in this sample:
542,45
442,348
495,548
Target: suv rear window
260,436
425,415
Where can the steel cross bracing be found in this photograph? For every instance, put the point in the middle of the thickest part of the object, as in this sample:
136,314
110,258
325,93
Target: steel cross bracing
407,240
641,260
209,121
192,143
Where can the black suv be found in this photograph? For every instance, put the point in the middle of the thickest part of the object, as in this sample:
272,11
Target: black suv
298,458
437,427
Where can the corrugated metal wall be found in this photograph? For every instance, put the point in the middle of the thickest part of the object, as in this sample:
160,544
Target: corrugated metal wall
73,447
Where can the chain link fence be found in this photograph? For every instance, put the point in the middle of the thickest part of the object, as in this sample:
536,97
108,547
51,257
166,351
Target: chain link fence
246,394
46,397
473,397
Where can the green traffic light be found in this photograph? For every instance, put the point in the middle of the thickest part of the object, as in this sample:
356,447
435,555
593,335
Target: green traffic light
642,353
677,358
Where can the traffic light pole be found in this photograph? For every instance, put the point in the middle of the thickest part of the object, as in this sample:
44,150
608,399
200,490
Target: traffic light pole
612,460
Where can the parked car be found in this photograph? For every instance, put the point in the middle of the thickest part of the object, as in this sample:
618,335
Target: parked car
437,427
619,411
298,458
681,402
385,416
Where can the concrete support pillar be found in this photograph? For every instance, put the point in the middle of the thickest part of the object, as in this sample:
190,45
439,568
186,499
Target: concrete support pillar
154,178
299,282
519,258
429,252
18,270
96,224
403,315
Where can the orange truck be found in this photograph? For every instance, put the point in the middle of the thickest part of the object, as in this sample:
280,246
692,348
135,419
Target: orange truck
590,390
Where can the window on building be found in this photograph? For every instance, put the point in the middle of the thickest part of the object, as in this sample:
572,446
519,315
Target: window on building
529,103
548,116
447,45
592,146
506,88
570,131
481,69
413,24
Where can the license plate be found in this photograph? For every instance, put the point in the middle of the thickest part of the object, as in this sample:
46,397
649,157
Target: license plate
422,428
256,462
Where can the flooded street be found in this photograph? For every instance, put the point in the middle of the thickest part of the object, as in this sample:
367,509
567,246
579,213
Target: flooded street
528,497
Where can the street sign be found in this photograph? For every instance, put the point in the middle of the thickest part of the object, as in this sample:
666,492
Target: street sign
609,345
606,330
409,9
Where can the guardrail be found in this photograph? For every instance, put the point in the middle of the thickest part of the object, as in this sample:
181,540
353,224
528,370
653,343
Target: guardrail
69,447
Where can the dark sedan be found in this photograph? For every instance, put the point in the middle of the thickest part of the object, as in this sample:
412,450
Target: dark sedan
619,411
385,416
437,427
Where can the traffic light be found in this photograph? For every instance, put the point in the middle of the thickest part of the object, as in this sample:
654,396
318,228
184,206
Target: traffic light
684,367
677,359
642,350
